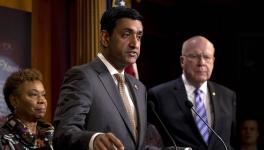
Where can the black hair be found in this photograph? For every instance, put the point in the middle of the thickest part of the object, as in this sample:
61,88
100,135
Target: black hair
16,79
112,15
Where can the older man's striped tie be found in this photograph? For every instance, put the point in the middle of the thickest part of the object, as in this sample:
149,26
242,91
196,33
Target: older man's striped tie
199,107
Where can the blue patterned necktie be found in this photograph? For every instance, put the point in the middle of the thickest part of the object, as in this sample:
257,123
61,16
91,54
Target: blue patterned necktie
200,108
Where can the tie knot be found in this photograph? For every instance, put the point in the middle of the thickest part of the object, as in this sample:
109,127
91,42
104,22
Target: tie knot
197,91
119,77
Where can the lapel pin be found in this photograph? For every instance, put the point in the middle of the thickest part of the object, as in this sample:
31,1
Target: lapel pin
136,87
213,94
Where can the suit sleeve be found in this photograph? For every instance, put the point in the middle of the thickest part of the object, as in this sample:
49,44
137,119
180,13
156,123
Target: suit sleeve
74,104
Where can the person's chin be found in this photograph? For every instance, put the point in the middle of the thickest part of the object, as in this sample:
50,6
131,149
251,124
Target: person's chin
39,116
131,61
202,78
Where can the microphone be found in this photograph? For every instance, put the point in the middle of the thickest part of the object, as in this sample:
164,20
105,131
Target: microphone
190,106
152,106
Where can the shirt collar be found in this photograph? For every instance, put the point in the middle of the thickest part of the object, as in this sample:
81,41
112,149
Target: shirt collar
190,87
110,67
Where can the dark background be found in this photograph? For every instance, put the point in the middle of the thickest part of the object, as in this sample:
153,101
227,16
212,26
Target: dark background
236,29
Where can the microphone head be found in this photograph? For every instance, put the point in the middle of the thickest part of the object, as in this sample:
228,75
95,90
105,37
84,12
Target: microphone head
188,104
151,104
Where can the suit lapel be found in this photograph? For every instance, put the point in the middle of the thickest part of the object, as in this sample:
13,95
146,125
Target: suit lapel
214,104
133,88
112,90
216,112
181,94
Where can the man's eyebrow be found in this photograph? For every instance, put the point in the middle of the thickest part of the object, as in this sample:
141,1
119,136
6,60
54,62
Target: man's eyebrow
131,30
128,29
140,32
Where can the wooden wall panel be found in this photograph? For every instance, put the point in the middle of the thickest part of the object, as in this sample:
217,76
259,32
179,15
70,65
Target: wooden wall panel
88,27
25,5
51,52
41,45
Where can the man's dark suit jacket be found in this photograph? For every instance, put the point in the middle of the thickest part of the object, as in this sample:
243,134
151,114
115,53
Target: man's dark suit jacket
169,99
90,102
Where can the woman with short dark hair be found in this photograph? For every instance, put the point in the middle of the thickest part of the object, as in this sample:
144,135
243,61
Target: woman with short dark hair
24,129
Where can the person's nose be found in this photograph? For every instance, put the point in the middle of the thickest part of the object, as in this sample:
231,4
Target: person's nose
41,99
134,41
201,59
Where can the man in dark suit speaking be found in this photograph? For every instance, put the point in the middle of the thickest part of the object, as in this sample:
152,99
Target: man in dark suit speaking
97,109
214,103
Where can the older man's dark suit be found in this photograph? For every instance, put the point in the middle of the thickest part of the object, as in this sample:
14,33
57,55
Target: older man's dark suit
170,98
90,102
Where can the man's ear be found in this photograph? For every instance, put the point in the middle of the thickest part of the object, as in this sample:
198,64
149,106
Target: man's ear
105,38
181,60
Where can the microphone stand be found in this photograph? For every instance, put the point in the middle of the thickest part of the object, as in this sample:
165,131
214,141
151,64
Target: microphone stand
162,124
190,105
